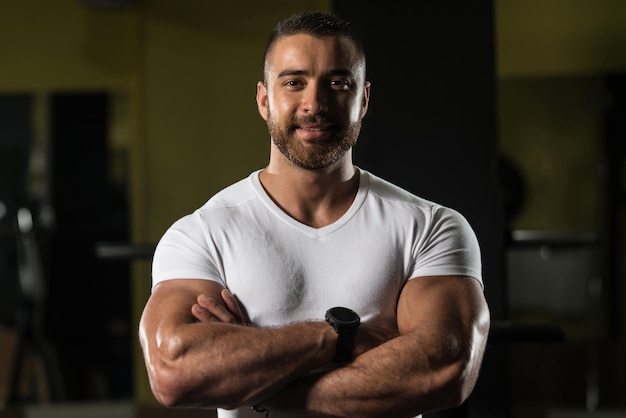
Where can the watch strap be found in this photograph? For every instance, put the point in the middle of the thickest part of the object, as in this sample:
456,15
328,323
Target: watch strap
343,350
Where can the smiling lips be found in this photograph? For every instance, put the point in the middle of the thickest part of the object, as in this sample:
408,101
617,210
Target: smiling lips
313,131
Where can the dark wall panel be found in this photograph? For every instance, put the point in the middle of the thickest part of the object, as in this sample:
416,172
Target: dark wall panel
89,316
15,142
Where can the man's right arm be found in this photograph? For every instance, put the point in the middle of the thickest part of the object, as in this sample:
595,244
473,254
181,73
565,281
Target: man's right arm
215,363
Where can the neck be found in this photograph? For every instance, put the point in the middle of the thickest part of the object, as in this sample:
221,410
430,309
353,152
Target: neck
313,197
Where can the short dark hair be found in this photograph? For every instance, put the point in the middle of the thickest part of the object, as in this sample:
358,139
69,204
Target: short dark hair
317,24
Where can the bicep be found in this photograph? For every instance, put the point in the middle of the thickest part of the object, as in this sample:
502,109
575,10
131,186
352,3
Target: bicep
170,303
442,304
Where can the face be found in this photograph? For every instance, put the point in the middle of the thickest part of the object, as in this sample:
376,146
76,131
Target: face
313,99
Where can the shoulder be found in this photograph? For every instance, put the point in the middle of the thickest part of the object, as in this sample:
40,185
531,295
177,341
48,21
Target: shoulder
427,219
233,195
221,207
392,194
388,191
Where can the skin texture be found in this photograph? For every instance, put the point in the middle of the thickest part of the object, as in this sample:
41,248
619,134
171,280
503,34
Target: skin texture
199,347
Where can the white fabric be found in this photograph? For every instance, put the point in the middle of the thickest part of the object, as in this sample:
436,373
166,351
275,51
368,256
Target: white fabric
284,271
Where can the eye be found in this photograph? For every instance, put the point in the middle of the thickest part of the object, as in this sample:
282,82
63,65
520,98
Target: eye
340,84
293,84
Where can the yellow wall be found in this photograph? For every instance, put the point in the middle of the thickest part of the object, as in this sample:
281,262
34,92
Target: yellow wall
557,37
65,45
551,60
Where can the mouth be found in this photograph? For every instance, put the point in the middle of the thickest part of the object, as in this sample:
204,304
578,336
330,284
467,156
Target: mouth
315,128
314,131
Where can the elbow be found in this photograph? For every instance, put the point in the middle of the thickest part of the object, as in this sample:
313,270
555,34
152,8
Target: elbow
461,382
459,391
167,380
459,377
175,385
453,390
464,373
164,388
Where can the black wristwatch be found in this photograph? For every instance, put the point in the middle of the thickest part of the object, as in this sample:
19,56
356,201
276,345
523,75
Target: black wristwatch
346,323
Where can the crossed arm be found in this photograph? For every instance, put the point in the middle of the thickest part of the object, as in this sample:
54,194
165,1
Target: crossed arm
200,351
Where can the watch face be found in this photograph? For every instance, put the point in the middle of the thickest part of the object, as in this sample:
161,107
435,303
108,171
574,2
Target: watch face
345,316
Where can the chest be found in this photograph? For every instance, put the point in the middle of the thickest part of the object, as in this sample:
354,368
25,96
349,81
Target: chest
283,276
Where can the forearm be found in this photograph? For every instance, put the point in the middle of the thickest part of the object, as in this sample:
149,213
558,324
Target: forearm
397,379
188,368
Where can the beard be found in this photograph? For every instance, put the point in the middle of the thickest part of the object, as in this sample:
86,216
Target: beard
315,155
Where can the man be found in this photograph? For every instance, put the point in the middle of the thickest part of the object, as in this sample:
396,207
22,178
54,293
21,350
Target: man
312,287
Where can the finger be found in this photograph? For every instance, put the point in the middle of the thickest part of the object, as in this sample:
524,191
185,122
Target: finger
216,309
202,314
233,306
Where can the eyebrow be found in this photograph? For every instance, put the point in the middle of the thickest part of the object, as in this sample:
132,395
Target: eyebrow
337,72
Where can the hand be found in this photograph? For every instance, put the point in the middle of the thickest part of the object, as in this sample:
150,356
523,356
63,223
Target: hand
228,309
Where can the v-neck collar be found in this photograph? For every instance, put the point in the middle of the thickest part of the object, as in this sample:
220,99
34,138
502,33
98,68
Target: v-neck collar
364,181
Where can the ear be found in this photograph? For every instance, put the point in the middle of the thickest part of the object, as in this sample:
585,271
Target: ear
366,98
261,99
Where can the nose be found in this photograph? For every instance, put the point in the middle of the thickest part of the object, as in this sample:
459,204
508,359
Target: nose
314,99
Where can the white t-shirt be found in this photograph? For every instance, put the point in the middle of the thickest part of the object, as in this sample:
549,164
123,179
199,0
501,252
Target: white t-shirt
284,271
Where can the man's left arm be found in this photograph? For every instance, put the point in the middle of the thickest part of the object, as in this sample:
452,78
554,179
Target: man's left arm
433,363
